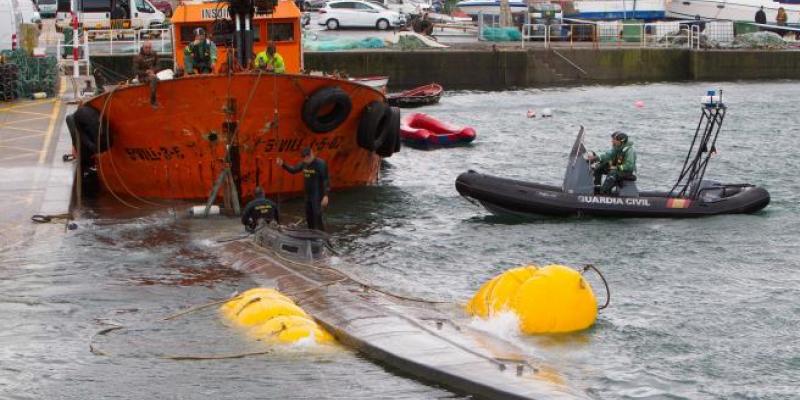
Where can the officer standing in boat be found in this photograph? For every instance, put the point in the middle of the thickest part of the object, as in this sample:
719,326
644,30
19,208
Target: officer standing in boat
618,164
257,210
317,185
270,60
197,56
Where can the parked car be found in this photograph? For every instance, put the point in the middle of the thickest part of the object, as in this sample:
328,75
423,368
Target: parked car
164,6
311,5
48,8
10,19
356,13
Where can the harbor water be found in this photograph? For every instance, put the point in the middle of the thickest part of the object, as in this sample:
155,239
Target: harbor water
700,309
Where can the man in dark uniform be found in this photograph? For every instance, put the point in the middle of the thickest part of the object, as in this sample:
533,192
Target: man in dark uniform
258,209
317,185
761,16
618,164
197,54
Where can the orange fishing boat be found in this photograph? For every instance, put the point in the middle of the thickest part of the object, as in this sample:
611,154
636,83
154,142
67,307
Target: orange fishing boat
203,128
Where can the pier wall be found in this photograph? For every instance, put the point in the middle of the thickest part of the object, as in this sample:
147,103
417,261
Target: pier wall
517,68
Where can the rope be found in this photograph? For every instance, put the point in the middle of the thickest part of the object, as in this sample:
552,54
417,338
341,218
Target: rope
215,357
199,307
100,164
362,284
43,219
608,290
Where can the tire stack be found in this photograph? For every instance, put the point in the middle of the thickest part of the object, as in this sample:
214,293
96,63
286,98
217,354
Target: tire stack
9,75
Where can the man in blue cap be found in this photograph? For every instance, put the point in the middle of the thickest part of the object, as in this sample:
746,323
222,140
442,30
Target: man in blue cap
317,185
618,164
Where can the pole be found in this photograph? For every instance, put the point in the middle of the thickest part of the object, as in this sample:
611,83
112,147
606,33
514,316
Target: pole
75,50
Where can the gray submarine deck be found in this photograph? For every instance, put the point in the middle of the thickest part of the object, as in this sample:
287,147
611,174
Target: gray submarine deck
417,338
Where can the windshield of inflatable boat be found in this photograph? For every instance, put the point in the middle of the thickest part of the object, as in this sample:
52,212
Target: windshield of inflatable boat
578,179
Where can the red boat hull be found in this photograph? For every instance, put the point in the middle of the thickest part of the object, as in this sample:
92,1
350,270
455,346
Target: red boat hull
422,130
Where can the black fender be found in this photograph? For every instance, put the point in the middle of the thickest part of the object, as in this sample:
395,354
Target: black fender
319,100
391,134
372,126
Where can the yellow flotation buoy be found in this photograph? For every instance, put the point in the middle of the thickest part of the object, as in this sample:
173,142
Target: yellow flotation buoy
552,299
495,296
272,316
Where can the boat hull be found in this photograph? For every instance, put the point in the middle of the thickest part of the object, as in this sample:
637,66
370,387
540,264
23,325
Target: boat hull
176,149
422,130
617,9
736,11
508,196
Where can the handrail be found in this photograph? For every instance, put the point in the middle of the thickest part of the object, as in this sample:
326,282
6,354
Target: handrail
563,57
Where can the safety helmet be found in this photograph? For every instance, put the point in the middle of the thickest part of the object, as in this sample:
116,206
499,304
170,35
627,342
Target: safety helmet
619,135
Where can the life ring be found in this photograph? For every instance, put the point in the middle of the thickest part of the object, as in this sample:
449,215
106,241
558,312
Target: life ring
392,134
84,124
372,126
330,98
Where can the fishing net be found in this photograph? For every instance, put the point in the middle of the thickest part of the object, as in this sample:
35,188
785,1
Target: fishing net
759,40
8,82
33,74
509,34
338,44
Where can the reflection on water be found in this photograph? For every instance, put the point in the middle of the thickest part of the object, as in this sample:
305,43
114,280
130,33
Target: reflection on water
700,309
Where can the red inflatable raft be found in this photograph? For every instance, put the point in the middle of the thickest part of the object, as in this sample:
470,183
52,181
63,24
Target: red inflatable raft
422,130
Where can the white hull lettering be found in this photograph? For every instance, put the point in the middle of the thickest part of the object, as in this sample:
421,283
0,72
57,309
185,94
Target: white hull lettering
614,201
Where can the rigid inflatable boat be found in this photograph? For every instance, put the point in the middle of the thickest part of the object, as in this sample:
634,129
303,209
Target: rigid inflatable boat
422,339
422,130
691,196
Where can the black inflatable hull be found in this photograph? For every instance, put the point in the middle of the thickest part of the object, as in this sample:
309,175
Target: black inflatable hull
508,196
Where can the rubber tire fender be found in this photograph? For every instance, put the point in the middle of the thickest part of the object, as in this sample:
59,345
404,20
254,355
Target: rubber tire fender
392,133
320,99
371,127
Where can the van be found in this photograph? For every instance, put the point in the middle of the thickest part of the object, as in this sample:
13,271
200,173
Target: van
97,14
47,8
30,13
10,20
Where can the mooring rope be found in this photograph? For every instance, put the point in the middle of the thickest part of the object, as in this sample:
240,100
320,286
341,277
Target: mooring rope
608,290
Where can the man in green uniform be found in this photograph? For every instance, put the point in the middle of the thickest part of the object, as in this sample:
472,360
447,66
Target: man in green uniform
198,55
259,209
317,185
618,164
270,60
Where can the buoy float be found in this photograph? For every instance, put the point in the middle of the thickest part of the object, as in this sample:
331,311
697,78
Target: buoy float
638,104
551,299
531,113
547,113
271,316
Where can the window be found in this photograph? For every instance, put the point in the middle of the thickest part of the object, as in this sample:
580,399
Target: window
142,6
187,32
362,6
280,32
344,4
97,6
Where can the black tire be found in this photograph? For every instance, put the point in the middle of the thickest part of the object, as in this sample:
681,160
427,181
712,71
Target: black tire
332,24
386,24
372,126
392,133
331,120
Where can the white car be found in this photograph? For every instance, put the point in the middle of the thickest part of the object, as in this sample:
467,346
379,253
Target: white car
355,13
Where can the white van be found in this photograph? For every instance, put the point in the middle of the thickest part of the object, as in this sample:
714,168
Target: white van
10,20
97,14
30,13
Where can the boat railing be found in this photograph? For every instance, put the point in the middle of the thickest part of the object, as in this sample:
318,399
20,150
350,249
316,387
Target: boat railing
604,34
120,41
